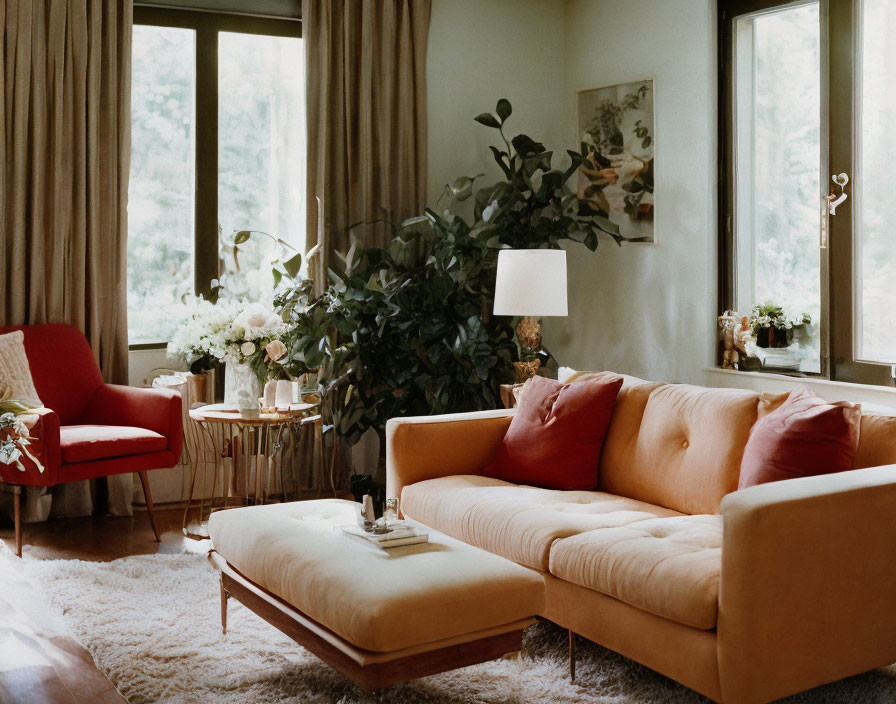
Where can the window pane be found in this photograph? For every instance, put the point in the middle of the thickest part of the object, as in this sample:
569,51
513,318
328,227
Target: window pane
876,207
160,196
261,149
778,189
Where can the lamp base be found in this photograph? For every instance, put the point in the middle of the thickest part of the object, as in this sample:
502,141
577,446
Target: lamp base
525,370
528,333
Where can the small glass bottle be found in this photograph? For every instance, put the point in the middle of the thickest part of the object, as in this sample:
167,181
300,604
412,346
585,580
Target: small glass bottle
391,512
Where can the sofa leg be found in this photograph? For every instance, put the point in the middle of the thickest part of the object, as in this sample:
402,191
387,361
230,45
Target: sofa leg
572,656
17,501
147,494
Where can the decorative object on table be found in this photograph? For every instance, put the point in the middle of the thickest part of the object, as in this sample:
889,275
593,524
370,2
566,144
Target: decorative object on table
270,394
363,484
367,509
391,512
247,402
616,179
530,283
283,396
394,535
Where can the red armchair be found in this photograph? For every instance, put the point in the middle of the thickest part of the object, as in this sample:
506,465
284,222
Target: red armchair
90,429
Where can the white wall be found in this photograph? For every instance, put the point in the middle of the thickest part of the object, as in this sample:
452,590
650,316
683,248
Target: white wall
480,51
648,309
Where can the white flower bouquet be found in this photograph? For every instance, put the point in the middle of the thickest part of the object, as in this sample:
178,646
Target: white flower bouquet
229,331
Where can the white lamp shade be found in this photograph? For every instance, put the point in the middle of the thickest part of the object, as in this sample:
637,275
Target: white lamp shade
531,282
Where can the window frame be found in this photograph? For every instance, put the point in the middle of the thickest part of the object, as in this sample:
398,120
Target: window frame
207,25
839,121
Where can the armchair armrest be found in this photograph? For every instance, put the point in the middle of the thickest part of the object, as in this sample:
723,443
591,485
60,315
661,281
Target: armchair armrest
43,444
158,410
426,447
808,583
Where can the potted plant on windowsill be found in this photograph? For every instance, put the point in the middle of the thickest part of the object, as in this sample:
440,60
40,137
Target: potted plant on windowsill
773,329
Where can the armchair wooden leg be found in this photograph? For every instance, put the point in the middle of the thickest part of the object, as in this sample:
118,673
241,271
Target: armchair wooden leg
147,494
572,656
17,500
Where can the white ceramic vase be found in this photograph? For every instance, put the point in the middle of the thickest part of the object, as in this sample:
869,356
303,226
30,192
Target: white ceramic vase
237,377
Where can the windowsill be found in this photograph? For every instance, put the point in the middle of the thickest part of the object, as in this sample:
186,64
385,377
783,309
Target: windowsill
833,390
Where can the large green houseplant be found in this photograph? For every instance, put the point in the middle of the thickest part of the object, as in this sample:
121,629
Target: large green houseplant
407,329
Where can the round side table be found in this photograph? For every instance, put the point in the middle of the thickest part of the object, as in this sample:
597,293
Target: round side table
247,455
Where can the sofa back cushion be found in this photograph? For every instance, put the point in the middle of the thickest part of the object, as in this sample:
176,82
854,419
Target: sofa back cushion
877,441
63,368
676,445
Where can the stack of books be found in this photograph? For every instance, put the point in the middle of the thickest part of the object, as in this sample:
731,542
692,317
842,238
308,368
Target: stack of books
399,534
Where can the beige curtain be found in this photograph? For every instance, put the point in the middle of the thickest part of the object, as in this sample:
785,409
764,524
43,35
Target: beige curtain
365,82
65,73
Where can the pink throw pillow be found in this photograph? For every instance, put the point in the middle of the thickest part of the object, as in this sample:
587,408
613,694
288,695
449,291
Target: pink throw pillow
803,437
555,438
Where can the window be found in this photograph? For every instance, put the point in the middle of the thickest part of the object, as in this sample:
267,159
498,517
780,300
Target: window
218,145
802,99
163,165
873,192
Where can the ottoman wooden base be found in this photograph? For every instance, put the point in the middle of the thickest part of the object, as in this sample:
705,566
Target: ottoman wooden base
370,671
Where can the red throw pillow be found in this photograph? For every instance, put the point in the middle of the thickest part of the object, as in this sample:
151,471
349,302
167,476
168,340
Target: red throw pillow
556,436
803,437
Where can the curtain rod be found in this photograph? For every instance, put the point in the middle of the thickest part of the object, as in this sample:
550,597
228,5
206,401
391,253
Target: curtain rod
166,6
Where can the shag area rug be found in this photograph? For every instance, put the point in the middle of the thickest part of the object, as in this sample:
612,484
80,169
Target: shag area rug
152,624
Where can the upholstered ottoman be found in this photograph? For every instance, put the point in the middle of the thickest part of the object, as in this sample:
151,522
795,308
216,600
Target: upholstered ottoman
377,616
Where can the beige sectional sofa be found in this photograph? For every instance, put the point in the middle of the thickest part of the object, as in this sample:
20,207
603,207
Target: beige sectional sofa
744,596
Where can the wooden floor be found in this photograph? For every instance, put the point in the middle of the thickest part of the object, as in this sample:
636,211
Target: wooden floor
102,538
39,665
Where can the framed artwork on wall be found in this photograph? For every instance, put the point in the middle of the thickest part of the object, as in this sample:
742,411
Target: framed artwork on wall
616,126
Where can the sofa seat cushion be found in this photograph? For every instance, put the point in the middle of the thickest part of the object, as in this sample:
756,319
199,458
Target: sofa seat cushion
84,443
667,566
514,521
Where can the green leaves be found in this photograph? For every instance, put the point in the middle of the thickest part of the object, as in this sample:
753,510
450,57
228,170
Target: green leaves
292,265
488,120
503,109
241,237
